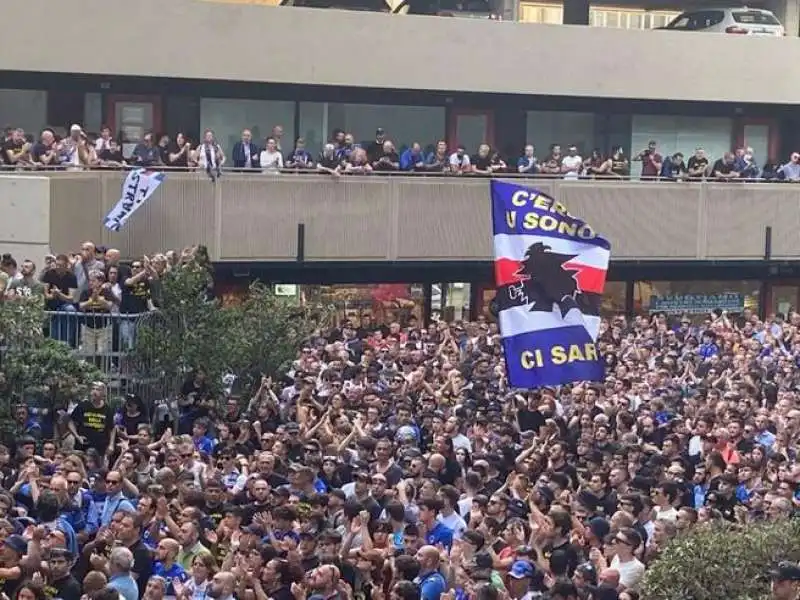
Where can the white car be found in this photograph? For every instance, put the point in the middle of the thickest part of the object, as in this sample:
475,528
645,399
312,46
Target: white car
742,20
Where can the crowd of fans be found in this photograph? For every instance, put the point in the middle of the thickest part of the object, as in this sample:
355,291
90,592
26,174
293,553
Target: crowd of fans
93,298
344,155
394,461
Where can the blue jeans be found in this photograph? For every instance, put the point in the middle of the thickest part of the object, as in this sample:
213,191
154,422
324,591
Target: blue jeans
64,327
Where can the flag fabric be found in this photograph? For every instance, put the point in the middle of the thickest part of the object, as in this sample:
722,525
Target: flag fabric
550,270
139,185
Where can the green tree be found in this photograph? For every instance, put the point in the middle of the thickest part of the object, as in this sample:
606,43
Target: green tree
260,335
722,561
33,368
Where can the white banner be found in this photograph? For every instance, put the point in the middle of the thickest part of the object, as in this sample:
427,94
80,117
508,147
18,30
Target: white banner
138,187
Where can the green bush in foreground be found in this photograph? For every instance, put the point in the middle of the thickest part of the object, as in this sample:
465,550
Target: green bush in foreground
721,562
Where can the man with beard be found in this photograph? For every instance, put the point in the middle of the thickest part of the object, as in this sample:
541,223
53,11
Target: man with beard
222,586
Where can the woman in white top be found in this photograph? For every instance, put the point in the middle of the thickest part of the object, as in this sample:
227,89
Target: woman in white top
271,159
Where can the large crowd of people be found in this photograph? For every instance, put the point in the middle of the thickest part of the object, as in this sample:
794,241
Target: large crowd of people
344,155
394,461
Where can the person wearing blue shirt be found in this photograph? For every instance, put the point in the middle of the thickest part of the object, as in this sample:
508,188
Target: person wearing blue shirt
120,564
430,581
201,440
528,163
115,501
437,533
412,159
708,348
165,565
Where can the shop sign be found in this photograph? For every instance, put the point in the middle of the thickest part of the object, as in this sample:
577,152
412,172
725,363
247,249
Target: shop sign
697,303
285,289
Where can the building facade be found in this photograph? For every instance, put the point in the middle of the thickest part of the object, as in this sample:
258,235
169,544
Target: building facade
671,240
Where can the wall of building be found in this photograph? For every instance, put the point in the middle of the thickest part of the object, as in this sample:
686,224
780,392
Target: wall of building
25,218
222,27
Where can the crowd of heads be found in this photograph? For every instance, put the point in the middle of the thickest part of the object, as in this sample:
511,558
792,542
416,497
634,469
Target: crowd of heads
394,461
343,153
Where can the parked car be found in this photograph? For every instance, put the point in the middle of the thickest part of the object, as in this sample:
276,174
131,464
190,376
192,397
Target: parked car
742,20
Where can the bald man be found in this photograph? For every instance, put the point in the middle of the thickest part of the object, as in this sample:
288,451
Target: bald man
222,586
430,581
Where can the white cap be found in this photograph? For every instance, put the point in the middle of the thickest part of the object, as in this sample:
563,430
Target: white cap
76,127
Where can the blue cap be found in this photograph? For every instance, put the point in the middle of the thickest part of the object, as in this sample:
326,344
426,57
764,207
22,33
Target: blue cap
521,569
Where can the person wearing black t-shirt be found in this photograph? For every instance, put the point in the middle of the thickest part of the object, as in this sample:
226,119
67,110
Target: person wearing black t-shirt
387,159
724,168
44,152
14,148
92,422
61,293
60,582
111,156
96,304
482,161
328,162
697,164
178,152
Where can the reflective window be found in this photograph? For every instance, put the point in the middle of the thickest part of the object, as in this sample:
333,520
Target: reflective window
24,108
681,134
227,117
384,303
565,128
403,124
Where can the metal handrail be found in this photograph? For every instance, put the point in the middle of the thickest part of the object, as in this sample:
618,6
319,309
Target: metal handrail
241,172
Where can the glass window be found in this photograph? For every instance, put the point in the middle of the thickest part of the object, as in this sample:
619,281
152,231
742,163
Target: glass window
93,112
565,128
613,299
635,21
598,18
757,137
384,303
695,296
681,134
24,108
404,125
314,125
227,117
612,18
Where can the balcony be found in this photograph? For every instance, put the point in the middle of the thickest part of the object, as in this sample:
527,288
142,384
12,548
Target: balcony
255,217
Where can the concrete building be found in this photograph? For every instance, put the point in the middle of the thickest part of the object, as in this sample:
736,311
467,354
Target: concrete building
191,65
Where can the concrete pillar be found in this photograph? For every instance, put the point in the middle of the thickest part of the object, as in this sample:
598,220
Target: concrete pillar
788,12
576,12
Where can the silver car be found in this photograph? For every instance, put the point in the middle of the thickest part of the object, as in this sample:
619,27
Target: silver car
742,20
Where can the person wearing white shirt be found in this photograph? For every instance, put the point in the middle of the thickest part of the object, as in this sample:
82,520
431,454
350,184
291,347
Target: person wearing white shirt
572,164
630,568
271,159
104,141
459,161
448,515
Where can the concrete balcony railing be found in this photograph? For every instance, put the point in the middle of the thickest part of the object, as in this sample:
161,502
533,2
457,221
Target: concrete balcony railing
246,217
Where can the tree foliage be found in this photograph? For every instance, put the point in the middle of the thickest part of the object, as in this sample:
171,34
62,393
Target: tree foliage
260,335
34,368
722,561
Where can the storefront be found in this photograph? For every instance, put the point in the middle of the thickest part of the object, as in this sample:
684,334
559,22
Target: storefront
432,291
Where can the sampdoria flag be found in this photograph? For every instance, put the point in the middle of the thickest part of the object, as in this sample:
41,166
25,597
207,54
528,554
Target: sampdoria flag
139,185
550,269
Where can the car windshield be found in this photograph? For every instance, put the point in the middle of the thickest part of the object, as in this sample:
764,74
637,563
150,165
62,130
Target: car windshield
755,17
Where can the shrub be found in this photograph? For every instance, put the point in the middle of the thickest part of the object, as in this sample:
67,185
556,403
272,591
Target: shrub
721,562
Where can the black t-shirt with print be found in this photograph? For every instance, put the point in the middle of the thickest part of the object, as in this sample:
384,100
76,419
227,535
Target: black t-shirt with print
12,147
96,313
95,424
695,163
135,297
